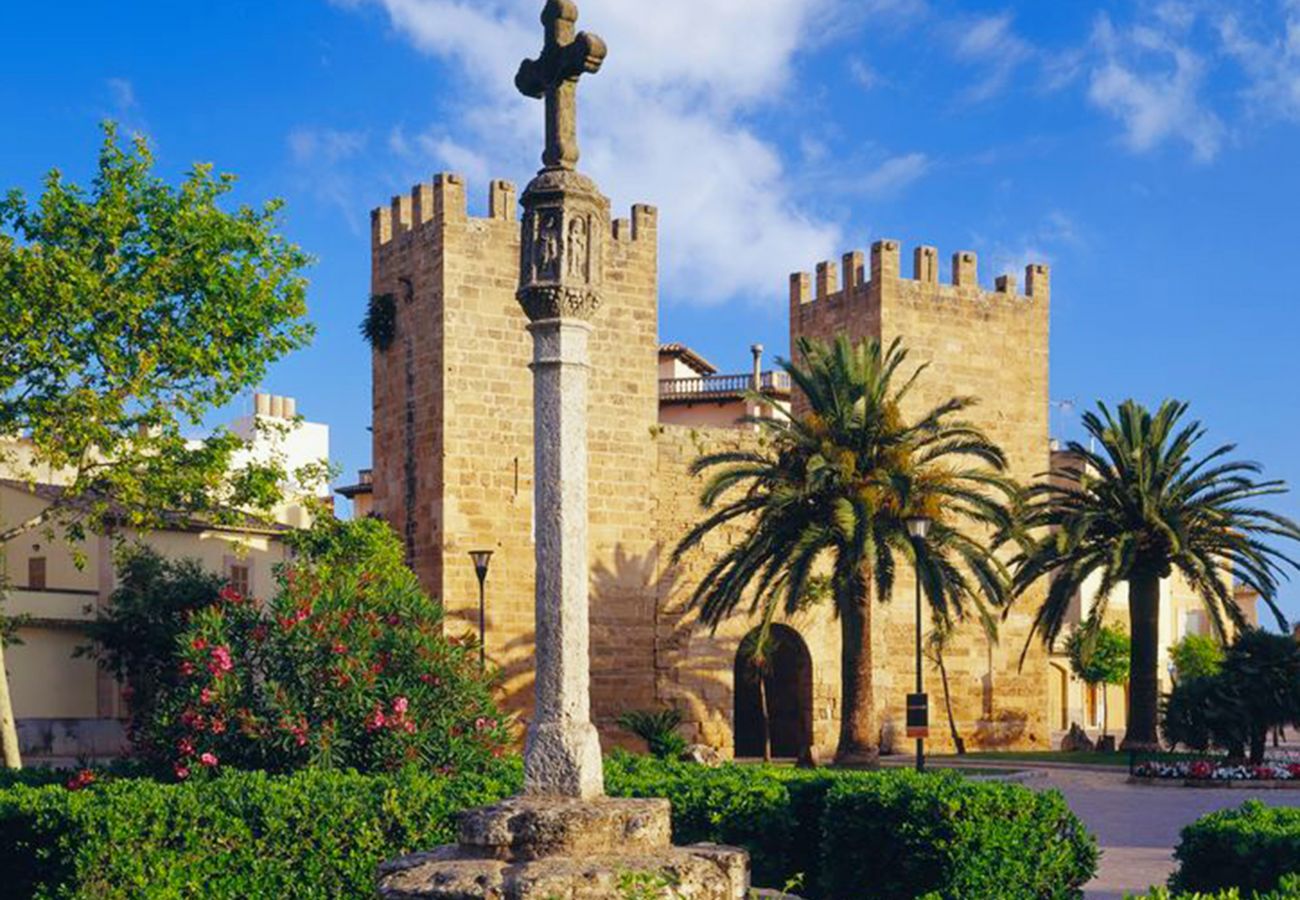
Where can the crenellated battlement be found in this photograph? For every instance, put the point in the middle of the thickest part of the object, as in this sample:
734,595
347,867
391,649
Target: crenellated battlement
443,201
848,277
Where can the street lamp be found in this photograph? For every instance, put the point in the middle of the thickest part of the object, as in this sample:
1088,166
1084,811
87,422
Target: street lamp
918,704
481,560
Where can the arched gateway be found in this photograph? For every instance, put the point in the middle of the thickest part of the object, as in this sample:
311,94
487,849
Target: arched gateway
786,690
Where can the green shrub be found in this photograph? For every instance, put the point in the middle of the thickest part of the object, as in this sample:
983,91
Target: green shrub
904,835
320,834
892,834
658,729
315,833
1251,848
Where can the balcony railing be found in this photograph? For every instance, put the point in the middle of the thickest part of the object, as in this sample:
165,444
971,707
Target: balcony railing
717,387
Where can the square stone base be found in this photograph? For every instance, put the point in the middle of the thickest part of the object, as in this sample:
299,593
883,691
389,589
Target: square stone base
555,849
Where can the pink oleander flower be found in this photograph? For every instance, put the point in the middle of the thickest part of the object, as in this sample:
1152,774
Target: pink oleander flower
375,720
182,772
208,759
400,705
185,747
83,779
221,661
409,726
217,725
199,644
187,669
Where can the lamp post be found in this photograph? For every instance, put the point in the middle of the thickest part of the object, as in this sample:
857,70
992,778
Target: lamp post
481,560
918,704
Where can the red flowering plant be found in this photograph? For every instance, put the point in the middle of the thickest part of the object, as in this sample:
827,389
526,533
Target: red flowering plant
348,666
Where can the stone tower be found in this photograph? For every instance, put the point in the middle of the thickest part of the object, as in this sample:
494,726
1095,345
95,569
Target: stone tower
990,345
453,427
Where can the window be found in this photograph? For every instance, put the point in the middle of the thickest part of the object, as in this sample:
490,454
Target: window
241,579
36,573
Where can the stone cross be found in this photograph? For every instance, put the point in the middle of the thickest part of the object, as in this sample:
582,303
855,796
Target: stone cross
561,281
554,75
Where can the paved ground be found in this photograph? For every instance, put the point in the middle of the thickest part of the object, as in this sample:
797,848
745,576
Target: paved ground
1137,827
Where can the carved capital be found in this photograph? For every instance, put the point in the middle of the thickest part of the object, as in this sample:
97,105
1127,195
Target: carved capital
543,302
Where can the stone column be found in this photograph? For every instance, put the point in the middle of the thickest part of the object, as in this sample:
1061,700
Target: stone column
562,755
561,275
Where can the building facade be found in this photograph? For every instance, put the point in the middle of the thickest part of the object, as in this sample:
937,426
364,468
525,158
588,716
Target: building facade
452,467
65,707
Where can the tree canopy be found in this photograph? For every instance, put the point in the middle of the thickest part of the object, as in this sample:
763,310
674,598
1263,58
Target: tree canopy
128,312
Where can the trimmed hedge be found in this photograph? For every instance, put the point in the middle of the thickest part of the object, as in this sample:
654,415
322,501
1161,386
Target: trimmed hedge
244,834
319,834
1251,848
892,835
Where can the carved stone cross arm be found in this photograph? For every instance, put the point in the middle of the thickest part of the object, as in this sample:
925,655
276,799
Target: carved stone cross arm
566,57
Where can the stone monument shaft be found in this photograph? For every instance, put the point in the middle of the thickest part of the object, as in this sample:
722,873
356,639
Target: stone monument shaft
560,279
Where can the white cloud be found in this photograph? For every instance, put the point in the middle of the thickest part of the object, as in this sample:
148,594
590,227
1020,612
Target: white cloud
863,73
663,123
321,158
325,145
1271,62
991,44
1056,231
124,107
123,92
1149,79
895,174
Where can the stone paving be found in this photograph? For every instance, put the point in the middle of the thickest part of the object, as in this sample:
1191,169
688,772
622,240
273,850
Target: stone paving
1137,827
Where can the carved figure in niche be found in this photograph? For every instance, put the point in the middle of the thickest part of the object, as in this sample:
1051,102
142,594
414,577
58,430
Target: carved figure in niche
548,245
578,248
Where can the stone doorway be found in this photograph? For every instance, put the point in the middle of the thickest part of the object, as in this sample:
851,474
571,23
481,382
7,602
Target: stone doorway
787,688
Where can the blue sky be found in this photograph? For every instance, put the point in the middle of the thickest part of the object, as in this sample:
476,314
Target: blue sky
1147,150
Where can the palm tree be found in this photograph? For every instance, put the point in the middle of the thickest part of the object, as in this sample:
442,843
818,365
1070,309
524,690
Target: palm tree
1137,509
936,645
832,488
758,649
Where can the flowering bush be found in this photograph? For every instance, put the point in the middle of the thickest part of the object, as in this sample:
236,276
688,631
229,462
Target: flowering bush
347,666
1207,770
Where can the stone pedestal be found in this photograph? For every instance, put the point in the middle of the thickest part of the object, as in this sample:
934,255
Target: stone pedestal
556,849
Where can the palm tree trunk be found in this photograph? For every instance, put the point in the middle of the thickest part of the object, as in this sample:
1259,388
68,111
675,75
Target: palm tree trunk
1144,680
8,727
1105,710
859,743
767,722
947,702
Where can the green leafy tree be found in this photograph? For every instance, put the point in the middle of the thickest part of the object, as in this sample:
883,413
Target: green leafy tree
1256,690
1100,655
128,312
134,638
833,488
1197,656
1140,507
